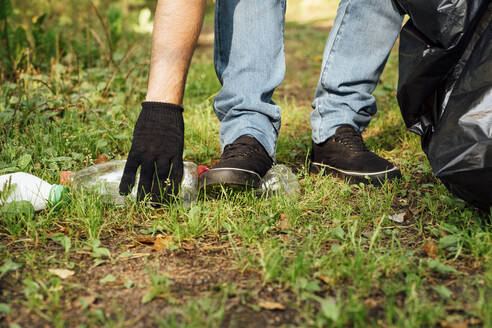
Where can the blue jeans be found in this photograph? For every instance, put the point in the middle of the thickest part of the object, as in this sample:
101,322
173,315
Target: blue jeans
250,64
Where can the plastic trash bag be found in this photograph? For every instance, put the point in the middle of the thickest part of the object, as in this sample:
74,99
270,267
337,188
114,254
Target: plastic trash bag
445,90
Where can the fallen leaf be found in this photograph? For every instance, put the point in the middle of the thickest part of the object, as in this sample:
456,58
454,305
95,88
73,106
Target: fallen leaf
162,243
415,211
371,302
284,222
430,248
325,279
285,237
213,247
400,217
108,278
188,246
450,283
446,324
62,273
271,306
474,321
101,159
63,229
85,301
145,240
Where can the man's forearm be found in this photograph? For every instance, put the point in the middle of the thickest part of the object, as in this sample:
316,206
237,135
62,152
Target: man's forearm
176,28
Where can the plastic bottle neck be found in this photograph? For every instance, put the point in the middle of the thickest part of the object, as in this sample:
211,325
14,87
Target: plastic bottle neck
57,193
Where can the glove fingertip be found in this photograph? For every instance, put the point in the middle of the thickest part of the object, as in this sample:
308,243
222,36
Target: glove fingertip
126,184
128,179
145,183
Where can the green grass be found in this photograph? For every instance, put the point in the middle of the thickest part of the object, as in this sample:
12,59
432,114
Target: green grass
330,255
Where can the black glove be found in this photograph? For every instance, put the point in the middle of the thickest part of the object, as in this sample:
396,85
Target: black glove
157,147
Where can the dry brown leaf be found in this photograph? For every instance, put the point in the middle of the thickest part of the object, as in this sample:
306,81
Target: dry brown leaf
88,299
474,321
325,279
146,240
188,246
62,273
446,324
271,306
285,237
162,243
450,283
284,222
101,159
430,248
371,302
213,247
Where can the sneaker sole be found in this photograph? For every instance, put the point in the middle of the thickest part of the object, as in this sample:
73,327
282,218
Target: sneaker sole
353,177
215,180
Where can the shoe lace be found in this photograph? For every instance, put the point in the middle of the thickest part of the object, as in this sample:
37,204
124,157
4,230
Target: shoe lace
352,139
238,150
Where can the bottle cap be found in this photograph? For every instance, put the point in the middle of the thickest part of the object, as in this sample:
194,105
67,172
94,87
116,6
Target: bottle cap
57,193
202,169
66,178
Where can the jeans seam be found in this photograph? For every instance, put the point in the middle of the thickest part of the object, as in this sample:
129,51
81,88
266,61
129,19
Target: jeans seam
327,64
217,37
335,41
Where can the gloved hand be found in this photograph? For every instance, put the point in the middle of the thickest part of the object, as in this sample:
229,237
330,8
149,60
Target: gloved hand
157,147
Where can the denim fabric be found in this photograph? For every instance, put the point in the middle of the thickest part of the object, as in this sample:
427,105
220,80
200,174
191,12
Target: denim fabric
357,49
250,64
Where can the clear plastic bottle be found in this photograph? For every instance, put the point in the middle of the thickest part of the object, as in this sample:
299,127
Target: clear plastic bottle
280,179
105,178
22,186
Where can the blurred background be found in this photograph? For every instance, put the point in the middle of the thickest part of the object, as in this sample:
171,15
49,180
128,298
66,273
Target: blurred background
40,32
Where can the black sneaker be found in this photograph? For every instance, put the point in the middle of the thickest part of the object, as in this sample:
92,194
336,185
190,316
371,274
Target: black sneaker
242,165
346,156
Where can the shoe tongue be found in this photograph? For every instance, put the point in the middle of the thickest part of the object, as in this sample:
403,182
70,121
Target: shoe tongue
346,129
351,137
245,140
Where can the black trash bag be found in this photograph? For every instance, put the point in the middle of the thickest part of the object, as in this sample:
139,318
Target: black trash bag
445,90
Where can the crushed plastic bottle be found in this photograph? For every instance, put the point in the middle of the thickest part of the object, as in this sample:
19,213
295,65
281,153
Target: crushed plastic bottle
105,178
20,186
280,179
